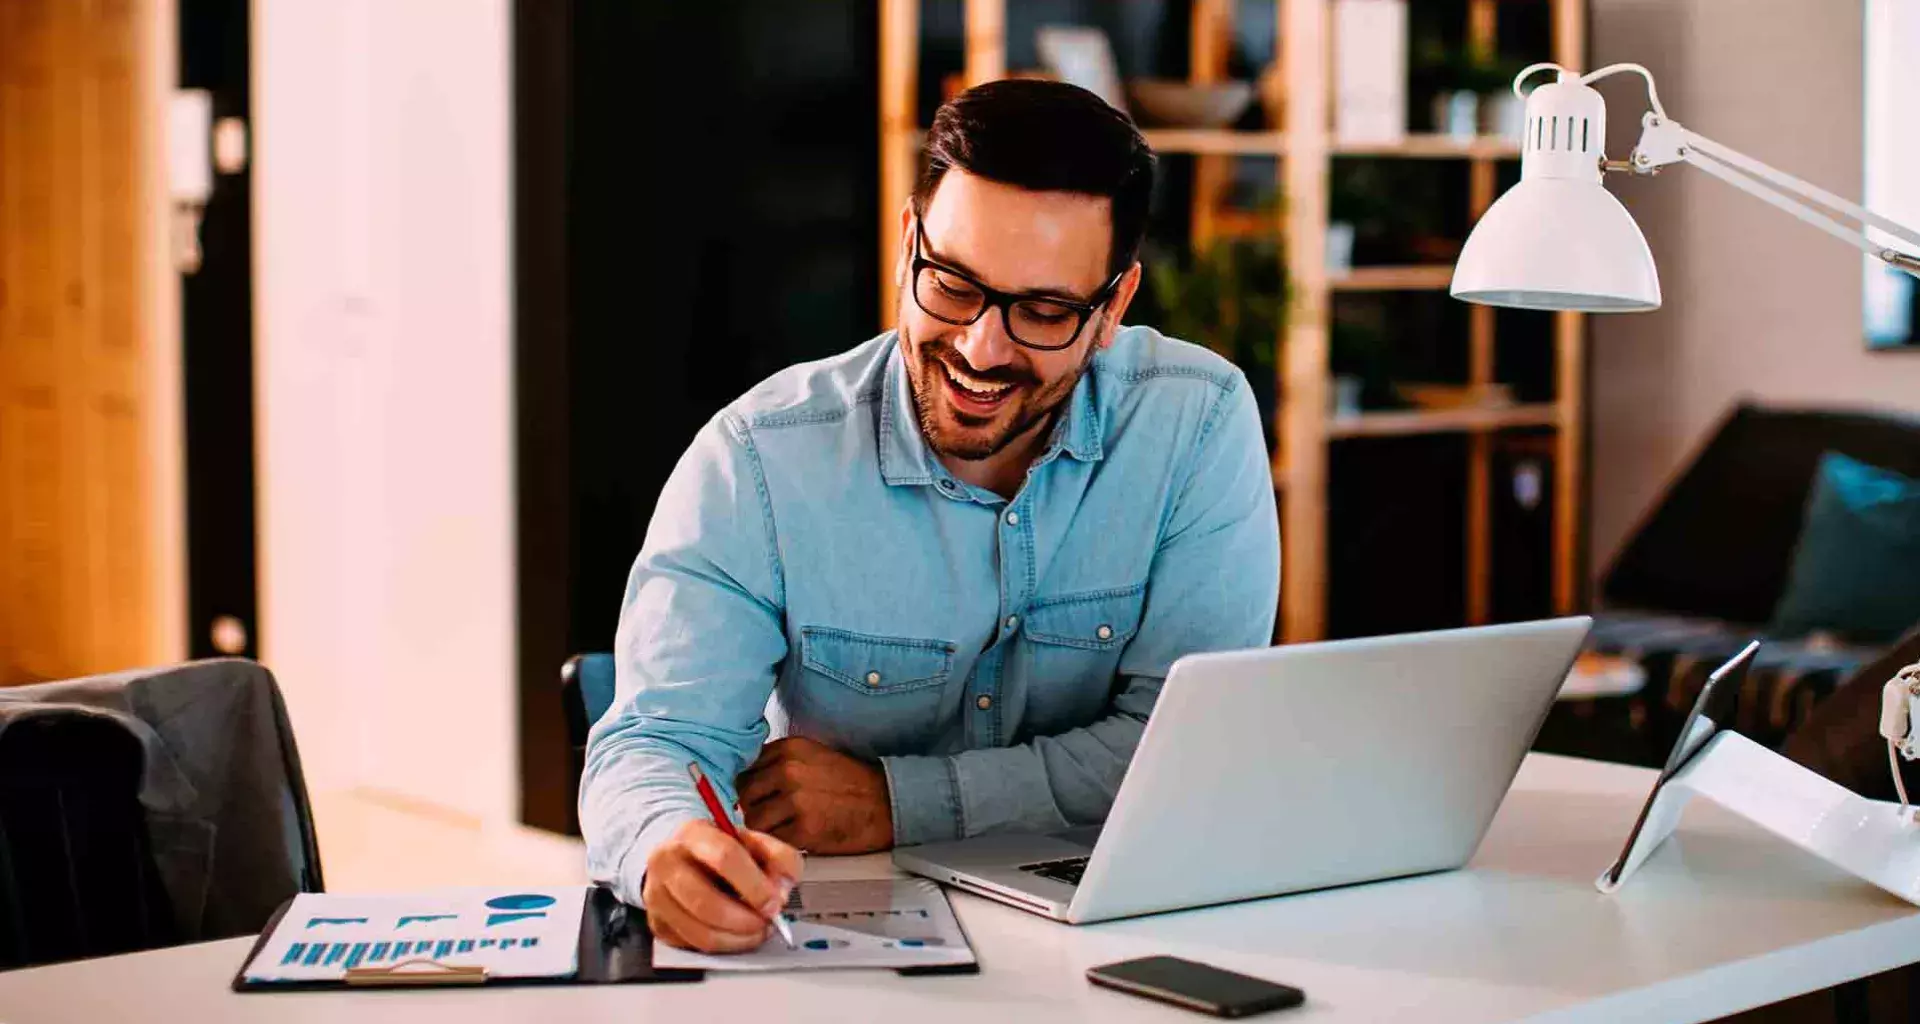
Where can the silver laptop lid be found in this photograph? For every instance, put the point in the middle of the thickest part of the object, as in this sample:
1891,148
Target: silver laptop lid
1290,768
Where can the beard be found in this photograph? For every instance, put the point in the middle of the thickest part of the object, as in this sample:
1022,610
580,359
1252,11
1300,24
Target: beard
961,435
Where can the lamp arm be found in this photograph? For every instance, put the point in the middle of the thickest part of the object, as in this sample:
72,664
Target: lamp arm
1792,184
1664,141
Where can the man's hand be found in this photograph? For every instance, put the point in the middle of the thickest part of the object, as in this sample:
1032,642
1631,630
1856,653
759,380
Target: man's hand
817,798
707,892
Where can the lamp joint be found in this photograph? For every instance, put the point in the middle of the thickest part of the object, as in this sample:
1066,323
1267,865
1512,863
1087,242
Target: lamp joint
1900,259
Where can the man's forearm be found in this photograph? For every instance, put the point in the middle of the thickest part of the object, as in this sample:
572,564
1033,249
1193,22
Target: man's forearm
1044,785
635,792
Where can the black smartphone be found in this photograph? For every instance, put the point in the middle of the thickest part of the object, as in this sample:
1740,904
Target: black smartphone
1196,986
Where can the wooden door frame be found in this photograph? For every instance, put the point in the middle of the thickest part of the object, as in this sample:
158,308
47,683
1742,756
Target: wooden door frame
89,345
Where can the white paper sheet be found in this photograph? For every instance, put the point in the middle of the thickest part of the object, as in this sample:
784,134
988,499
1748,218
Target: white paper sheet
900,922
513,933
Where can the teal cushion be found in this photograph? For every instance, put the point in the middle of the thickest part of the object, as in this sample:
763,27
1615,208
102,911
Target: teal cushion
1856,570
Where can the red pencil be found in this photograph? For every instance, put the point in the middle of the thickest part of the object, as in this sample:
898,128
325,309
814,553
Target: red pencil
725,822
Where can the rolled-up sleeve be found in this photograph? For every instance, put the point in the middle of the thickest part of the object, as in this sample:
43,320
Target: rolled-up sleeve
1214,585
696,651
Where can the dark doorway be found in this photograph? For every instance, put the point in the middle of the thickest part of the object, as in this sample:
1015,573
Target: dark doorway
217,344
695,208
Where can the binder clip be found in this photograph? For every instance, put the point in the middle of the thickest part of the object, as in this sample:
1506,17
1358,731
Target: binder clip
418,971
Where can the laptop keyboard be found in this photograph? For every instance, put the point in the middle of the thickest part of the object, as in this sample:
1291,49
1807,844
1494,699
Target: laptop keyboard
1067,870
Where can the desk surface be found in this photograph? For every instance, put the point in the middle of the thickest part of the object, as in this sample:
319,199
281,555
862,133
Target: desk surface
1722,918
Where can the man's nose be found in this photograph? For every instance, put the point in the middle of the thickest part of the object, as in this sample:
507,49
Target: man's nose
984,344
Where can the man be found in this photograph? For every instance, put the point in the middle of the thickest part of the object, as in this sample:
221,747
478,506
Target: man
959,558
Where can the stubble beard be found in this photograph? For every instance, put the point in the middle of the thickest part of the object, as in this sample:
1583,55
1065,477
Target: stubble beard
937,417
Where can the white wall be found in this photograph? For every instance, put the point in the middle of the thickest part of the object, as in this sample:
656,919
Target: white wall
384,392
1756,302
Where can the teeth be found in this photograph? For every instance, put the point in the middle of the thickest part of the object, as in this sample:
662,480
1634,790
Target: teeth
983,390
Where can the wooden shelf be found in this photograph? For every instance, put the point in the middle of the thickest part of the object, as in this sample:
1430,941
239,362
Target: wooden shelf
1222,141
1245,224
1442,421
1215,141
1434,147
1393,279
1305,162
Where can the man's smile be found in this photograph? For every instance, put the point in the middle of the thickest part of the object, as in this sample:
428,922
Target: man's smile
971,395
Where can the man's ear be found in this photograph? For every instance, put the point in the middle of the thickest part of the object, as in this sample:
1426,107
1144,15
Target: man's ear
1116,307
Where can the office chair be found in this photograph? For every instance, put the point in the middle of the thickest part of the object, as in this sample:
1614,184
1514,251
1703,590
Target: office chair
148,808
586,691
77,874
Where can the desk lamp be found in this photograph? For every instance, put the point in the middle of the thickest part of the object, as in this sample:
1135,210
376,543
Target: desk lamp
1559,240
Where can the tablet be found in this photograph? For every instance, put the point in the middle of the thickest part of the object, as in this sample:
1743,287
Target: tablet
1714,705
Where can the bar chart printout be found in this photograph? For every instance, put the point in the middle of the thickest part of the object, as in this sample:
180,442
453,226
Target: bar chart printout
893,923
522,933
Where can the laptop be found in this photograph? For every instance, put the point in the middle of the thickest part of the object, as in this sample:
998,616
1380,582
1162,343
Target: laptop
1293,768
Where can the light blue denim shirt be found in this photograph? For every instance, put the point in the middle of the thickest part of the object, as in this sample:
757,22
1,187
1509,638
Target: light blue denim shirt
813,569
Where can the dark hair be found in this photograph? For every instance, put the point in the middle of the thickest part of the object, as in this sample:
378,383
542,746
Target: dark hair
1045,137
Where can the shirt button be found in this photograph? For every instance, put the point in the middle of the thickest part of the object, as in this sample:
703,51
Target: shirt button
985,703
1104,632
1013,519
873,679
1013,621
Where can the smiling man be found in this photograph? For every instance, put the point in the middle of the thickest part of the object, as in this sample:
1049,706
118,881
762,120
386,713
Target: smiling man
951,566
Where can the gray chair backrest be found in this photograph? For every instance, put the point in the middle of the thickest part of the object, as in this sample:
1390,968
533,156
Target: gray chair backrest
224,805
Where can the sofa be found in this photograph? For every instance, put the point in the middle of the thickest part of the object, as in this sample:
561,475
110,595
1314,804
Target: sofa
1701,577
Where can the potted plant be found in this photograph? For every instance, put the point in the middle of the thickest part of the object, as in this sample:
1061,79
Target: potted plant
1230,296
1490,78
1471,89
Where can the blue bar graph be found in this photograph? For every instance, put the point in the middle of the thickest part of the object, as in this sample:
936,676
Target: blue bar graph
349,955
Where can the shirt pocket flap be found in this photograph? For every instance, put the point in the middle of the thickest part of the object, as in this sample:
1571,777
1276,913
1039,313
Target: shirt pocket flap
1095,620
875,664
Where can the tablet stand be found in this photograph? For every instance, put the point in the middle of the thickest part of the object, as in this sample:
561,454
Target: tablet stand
1871,839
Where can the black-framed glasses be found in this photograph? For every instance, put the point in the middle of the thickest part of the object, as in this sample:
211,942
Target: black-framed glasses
1045,322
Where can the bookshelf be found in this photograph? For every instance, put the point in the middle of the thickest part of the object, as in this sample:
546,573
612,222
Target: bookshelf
1305,146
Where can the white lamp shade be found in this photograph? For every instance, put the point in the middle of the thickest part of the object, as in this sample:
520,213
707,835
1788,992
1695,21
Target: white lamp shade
1558,239
1558,243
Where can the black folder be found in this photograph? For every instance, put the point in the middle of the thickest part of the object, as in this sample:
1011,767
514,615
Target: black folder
616,948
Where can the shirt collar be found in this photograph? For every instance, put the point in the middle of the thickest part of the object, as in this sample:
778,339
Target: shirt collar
905,458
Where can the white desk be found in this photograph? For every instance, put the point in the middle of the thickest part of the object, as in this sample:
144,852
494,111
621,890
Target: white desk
1722,919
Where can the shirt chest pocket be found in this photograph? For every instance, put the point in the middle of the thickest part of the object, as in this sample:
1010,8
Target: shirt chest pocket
870,695
1070,647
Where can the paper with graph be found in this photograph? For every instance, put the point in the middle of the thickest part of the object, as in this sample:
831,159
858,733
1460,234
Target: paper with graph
512,933
898,922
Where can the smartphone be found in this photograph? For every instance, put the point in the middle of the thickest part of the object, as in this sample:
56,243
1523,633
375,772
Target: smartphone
1196,986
